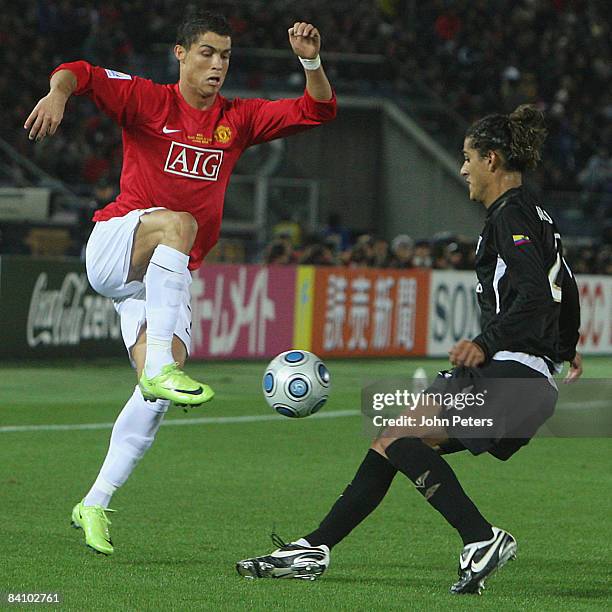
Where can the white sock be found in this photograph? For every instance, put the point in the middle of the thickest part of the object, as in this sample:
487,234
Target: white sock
133,434
165,282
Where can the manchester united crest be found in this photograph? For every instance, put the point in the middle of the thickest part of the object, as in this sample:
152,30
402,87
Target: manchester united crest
223,134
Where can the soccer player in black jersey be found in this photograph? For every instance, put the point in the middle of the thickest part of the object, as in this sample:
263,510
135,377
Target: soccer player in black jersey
530,319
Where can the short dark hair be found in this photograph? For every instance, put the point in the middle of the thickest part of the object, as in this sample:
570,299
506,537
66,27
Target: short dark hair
518,137
198,23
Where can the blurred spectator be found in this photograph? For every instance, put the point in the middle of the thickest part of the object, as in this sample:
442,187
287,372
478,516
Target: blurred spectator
596,179
583,262
228,250
447,26
604,260
331,244
439,256
337,231
456,255
380,253
367,243
279,252
402,250
597,174
422,257
360,256
290,229
318,254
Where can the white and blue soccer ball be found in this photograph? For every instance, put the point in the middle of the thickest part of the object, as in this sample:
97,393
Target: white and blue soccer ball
296,384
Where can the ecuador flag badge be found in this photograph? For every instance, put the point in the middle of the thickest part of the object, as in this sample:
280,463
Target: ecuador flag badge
520,239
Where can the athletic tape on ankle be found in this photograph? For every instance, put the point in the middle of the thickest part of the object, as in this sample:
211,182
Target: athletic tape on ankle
106,487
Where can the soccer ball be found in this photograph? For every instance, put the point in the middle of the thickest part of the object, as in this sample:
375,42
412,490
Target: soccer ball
296,384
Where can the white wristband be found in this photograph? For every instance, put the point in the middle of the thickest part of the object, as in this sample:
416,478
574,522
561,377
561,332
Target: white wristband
311,64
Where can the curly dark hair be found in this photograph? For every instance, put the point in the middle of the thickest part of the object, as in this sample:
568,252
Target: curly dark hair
198,23
518,137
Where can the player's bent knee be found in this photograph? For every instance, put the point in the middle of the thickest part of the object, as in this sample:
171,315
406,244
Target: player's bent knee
381,444
181,224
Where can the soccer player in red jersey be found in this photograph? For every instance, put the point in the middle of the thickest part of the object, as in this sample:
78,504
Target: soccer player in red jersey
180,144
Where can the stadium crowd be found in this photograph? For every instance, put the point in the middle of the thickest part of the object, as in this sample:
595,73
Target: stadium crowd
442,252
555,53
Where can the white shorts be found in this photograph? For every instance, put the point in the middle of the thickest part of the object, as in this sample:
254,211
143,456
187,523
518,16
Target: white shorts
107,259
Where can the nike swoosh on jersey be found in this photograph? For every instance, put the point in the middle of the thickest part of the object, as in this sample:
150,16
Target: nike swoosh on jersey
166,130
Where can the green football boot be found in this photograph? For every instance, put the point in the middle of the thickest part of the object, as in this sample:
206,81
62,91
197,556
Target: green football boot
94,522
174,385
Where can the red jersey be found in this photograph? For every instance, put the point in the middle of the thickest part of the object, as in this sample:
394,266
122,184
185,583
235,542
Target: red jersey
179,157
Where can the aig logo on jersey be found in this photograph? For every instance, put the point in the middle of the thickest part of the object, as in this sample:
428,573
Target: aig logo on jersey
194,162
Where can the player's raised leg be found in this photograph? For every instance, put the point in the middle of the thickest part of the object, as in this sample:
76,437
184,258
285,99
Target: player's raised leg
161,254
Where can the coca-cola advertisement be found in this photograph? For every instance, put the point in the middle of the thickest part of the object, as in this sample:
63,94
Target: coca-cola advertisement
47,308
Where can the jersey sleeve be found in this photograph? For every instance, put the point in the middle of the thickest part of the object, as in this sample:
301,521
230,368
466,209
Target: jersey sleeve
569,319
517,244
269,119
128,100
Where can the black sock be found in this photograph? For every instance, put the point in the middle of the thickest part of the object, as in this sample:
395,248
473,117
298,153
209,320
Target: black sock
435,479
360,498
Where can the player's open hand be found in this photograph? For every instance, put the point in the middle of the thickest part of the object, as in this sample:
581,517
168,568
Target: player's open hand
46,116
305,40
575,369
466,353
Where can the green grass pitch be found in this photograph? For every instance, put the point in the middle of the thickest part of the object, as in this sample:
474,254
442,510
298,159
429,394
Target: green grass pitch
207,495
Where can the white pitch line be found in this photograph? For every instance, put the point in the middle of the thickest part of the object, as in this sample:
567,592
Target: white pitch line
169,422
585,405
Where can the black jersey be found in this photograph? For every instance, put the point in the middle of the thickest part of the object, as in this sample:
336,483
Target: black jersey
527,294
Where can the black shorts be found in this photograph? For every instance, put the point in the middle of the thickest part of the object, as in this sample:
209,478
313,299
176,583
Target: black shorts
515,400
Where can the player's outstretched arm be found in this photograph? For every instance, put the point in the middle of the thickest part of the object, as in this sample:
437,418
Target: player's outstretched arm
49,111
305,41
